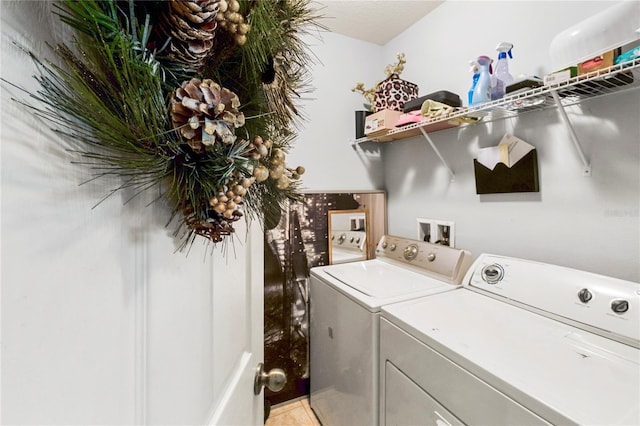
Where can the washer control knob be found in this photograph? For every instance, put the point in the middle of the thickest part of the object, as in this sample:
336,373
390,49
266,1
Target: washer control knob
384,244
492,273
619,306
358,240
341,238
351,240
585,295
431,257
410,252
393,247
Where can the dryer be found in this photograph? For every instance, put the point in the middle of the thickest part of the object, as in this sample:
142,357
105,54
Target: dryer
345,303
520,342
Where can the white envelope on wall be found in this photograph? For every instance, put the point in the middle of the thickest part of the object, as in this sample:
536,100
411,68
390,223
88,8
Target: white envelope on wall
509,151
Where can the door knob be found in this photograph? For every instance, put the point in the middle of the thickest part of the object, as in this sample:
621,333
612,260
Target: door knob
274,380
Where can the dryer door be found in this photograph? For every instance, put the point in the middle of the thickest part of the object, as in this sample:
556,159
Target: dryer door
408,404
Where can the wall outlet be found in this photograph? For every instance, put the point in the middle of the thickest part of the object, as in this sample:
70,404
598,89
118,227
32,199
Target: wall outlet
436,231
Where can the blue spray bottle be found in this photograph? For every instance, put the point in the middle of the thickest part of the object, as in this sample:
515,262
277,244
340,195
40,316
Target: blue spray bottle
483,86
502,78
475,69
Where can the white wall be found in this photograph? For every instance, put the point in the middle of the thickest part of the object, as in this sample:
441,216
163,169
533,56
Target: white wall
323,145
589,223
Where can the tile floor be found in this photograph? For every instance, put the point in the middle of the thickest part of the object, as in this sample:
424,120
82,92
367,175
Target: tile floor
296,413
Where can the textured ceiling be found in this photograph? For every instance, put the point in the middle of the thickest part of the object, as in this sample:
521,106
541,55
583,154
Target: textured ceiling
375,21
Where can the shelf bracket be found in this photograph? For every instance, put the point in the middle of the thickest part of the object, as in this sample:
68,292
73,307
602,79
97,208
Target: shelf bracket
586,169
433,146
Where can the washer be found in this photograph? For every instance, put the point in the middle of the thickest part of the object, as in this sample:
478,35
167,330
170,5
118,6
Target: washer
348,246
345,303
519,343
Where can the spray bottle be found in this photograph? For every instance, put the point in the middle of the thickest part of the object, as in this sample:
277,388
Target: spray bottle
475,69
502,78
483,86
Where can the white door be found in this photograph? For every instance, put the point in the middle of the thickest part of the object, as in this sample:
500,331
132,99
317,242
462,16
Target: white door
204,331
102,321
239,351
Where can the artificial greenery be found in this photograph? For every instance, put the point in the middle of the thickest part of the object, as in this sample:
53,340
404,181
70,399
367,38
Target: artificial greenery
114,97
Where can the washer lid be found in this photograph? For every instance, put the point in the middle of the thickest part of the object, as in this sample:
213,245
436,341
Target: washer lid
562,373
382,280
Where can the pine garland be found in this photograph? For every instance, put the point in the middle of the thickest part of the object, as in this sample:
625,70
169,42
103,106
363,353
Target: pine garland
213,135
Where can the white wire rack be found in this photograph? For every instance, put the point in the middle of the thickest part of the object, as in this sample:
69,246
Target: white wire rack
615,79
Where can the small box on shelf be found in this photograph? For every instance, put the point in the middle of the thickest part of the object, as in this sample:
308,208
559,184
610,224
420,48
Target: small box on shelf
381,122
560,76
598,62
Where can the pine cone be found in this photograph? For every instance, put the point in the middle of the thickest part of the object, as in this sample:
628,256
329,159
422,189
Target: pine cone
215,227
205,113
191,24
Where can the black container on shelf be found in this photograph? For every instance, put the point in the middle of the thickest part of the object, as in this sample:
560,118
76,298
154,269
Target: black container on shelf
442,96
361,117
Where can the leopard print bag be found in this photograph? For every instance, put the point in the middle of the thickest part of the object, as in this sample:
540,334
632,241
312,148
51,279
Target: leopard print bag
393,92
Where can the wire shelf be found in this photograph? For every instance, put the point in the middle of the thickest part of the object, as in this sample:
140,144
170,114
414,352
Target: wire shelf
615,79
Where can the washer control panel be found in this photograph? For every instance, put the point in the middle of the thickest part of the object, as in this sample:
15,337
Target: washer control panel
447,263
349,239
606,303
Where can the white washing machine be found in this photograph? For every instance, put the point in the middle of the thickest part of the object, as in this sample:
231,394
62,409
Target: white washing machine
348,246
520,343
345,303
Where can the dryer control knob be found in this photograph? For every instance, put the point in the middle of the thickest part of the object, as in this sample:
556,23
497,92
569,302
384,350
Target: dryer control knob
431,257
491,274
619,306
384,245
393,247
585,295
